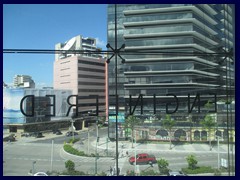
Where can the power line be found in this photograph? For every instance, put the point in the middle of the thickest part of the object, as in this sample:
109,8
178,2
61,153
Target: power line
124,52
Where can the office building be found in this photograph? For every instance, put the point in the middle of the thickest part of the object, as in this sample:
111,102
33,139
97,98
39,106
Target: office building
168,50
82,71
23,81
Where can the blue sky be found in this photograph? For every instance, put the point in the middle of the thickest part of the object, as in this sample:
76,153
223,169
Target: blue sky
39,26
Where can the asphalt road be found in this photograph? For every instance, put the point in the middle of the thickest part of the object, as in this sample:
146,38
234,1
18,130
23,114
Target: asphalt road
18,157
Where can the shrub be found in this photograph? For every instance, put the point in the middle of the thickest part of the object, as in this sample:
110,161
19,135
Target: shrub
192,162
68,148
130,173
70,165
163,166
74,173
149,173
198,170
72,141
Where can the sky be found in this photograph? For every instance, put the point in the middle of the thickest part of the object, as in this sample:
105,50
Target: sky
41,26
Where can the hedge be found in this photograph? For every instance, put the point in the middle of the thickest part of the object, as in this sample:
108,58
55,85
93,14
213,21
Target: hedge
198,170
68,148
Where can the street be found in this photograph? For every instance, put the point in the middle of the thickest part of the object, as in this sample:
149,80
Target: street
18,157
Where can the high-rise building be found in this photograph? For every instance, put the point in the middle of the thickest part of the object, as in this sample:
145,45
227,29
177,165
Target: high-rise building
169,49
23,81
82,72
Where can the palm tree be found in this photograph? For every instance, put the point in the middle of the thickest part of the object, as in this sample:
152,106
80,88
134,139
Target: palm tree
208,123
168,124
130,123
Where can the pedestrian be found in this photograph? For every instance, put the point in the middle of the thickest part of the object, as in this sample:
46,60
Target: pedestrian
122,154
127,153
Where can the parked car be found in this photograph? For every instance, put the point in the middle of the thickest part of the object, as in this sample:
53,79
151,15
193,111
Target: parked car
176,173
25,135
58,132
40,174
54,131
70,133
10,138
143,158
39,135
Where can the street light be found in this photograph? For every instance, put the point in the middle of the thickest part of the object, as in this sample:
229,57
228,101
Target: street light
33,169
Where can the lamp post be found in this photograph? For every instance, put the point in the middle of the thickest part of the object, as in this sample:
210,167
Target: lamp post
52,156
218,153
96,155
107,146
88,140
33,168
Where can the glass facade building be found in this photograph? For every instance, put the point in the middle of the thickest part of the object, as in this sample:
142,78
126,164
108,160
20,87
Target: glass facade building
172,50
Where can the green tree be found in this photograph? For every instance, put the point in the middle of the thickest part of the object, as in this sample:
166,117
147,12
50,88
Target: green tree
163,166
130,123
168,124
208,123
70,165
192,162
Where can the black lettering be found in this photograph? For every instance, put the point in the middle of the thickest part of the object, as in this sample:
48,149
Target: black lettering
71,105
196,98
130,104
32,108
215,103
154,104
53,105
167,104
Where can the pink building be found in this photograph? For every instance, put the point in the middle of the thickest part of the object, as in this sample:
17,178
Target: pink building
83,73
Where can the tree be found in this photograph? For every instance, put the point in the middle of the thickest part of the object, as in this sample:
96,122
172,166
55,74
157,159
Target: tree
192,162
168,124
70,165
208,123
163,166
130,123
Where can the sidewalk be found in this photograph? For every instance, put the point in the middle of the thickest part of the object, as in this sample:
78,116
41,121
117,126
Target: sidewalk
187,147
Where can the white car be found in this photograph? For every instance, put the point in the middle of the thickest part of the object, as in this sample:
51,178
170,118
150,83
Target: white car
176,173
40,174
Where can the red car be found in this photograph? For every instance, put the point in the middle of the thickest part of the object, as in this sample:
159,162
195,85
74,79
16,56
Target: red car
143,158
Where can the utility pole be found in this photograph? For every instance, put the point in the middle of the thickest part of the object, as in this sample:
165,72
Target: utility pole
52,156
